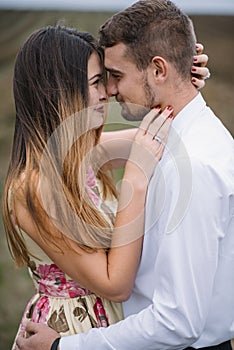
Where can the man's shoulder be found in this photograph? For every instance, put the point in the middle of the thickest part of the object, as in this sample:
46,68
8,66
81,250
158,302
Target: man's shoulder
208,139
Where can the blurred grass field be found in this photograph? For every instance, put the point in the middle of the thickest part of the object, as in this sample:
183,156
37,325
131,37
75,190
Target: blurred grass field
215,32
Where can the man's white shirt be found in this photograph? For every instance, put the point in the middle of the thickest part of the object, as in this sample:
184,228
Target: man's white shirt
184,288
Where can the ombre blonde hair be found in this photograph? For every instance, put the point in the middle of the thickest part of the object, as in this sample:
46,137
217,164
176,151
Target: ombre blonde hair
51,88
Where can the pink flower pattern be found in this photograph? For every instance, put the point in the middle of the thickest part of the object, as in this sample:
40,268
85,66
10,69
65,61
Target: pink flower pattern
41,310
100,313
90,177
91,184
53,282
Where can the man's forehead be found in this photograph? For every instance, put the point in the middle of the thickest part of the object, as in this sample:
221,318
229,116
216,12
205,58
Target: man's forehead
119,47
116,58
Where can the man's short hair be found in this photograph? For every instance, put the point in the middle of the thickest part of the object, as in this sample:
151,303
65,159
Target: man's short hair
152,28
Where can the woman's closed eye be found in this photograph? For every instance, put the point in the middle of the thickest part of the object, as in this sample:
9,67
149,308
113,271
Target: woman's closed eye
98,80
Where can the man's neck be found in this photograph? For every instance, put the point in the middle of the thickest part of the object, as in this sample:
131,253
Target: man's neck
179,97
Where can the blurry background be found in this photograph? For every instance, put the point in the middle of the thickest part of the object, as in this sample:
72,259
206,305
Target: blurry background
214,25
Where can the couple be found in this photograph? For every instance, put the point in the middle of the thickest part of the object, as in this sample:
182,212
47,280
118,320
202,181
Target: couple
183,291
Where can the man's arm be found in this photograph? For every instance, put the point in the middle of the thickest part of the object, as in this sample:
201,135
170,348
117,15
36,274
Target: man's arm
183,278
41,337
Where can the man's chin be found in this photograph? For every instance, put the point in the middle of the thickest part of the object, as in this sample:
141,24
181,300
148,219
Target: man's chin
133,114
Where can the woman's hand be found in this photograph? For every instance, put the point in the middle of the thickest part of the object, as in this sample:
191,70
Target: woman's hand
199,70
149,141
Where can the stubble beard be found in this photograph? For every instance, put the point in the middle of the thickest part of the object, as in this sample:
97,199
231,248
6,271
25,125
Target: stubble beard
134,112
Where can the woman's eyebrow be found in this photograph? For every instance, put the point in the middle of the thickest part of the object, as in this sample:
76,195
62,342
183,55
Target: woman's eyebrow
95,76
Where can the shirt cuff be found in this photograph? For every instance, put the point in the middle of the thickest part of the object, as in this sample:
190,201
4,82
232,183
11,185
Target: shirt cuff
69,342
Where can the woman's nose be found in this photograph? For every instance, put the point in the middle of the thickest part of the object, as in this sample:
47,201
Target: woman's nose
103,94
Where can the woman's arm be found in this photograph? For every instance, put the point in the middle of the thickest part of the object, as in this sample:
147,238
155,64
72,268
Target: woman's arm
112,276
116,146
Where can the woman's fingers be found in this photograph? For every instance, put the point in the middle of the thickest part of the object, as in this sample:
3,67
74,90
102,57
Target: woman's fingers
199,70
154,120
149,142
159,121
198,83
201,60
149,117
199,48
154,130
203,72
162,134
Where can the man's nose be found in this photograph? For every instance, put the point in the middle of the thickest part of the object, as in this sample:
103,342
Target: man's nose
111,88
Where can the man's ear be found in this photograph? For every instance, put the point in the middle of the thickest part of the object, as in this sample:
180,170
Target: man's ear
160,67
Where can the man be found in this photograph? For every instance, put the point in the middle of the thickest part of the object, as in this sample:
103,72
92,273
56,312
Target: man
184,290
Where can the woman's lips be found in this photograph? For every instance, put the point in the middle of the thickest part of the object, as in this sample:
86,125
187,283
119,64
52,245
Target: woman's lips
100,109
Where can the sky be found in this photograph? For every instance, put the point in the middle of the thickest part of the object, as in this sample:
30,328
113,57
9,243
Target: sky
219,7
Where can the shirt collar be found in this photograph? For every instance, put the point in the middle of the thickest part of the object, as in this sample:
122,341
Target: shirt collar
186,116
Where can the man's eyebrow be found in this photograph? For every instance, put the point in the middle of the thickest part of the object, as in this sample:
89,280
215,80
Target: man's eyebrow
113,70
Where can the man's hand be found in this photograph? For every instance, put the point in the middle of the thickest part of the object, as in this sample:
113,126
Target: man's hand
41,337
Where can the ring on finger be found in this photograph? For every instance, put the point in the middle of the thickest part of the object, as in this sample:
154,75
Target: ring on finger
207,76
158,139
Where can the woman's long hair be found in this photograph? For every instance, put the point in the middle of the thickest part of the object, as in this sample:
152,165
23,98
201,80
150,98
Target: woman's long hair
51,96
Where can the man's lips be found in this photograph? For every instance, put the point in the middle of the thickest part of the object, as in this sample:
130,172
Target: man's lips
122,103
119,99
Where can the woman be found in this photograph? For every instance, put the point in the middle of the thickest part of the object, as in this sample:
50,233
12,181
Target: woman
59,202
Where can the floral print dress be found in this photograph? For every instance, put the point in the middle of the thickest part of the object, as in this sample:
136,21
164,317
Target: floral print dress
60,302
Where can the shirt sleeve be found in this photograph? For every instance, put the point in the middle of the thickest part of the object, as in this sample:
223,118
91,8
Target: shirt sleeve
184,273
